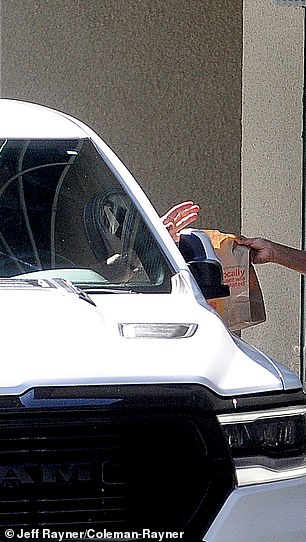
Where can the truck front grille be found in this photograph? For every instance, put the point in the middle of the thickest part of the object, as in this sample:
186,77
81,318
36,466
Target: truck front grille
120,469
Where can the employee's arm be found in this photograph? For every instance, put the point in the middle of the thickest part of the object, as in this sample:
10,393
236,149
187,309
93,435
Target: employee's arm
264,251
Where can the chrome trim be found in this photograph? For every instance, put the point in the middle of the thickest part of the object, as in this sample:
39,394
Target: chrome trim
247,476
247,417
155,330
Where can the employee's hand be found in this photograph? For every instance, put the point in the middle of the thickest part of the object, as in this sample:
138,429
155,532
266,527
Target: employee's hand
179,217
261,250
264,251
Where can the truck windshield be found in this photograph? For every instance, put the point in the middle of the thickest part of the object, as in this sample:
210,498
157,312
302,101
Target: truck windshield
63,213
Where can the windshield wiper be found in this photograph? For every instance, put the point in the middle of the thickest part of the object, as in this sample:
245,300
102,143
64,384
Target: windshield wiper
103,290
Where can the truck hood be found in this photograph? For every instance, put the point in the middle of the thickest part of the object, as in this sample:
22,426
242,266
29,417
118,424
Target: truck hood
51,336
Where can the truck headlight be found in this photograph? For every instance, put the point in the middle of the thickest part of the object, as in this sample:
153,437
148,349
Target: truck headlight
268,445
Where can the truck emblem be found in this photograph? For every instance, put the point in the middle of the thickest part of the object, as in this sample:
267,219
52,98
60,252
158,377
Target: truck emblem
110,473
49,473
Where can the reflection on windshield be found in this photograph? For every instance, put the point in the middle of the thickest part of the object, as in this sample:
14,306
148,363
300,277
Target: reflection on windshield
63,209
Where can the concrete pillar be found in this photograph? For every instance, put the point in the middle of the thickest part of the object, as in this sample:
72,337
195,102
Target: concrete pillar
272,161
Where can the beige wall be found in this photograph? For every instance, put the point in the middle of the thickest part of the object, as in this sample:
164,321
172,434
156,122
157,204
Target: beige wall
159,80
272,161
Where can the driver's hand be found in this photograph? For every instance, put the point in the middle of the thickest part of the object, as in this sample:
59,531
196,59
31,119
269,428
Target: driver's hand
179,217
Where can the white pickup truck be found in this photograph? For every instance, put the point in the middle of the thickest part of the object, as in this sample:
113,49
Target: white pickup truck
128,410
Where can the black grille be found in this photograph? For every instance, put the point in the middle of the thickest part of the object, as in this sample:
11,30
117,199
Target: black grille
119,468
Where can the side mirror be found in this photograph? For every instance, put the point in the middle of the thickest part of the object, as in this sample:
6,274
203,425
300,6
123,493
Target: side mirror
204,264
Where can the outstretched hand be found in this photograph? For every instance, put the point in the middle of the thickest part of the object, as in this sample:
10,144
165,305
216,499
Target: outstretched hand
179,217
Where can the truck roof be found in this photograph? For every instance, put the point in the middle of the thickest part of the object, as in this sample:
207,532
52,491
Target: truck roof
22,120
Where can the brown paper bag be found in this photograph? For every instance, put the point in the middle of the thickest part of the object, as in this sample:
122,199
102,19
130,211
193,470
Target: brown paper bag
245,305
